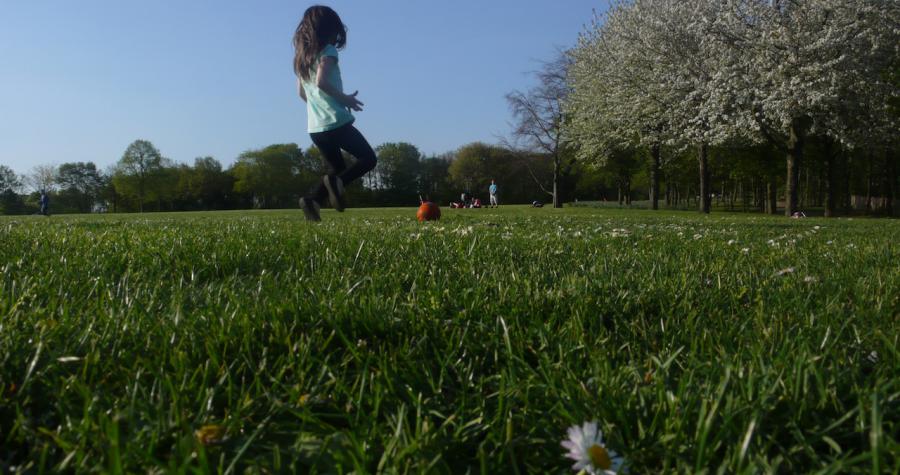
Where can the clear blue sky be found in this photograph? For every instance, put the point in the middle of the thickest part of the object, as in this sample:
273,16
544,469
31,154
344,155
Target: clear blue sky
81,80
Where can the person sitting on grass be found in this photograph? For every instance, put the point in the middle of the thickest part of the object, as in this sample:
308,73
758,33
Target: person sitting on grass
317,40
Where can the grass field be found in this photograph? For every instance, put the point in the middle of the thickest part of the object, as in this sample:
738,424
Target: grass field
254,341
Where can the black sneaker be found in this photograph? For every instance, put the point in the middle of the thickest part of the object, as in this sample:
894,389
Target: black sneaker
310,209
335,187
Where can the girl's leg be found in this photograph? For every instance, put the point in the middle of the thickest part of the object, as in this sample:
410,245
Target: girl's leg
355,144
329,145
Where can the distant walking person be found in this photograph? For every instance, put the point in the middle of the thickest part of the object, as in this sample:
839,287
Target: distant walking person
493,191
45,203
317,40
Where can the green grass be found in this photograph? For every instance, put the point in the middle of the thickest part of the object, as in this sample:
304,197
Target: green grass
373,343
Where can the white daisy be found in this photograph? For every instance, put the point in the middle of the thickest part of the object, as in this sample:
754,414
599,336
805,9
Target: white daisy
585,446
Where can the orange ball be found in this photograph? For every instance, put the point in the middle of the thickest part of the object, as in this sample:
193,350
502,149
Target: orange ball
428,211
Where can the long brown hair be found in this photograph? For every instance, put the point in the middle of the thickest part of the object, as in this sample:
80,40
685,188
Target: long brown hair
319,27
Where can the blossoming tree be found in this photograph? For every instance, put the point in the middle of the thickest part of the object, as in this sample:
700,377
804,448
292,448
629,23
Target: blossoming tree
707,73
812,67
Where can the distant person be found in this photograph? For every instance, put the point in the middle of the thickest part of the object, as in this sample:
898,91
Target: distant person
466,199
45,203
493,191
317,40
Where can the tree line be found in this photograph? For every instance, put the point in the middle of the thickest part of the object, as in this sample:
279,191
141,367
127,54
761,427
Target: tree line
271,177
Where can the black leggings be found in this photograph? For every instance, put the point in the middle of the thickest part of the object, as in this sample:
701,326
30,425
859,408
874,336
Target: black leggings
330,144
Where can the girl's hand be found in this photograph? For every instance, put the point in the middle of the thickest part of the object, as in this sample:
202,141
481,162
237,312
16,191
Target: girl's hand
351,102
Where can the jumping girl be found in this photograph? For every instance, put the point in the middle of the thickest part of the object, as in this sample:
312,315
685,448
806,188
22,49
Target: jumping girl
317,40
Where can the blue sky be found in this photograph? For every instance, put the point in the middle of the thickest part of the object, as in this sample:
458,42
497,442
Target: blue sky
79,81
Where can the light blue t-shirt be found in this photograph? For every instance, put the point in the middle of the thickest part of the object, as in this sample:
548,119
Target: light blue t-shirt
493,189
323,111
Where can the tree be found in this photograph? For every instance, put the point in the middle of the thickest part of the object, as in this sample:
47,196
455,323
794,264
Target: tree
269,176
206,183
10,201
42,178
8,179
162,184
135,170
400,166
612,105
539,118
621,167
434,178
644,76
107,191
470,166
79,183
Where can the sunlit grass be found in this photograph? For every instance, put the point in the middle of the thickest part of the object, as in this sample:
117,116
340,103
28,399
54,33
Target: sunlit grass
373,343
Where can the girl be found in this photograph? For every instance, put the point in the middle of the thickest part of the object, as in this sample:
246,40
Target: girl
316,42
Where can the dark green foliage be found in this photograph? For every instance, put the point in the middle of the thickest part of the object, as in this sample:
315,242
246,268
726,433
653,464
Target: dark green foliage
80,184
137,175
11,202
269,178
398,171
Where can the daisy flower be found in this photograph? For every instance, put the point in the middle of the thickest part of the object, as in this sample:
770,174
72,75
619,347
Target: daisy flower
586,448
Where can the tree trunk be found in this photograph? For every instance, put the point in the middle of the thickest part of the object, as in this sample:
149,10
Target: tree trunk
794,159
761,197
848,192
869,182
829,178
804,202
772,195
654,177
619,190
668,193
556,200
890,181
704,178
736,189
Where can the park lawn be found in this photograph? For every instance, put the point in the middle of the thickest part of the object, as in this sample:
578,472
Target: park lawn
253,340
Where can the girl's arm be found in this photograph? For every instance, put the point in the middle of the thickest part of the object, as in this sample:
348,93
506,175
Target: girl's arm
300,90
348,100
